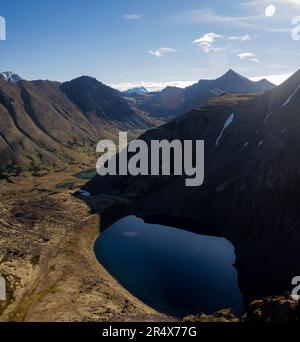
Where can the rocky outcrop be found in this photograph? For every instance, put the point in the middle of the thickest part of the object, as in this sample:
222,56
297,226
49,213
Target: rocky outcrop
269,310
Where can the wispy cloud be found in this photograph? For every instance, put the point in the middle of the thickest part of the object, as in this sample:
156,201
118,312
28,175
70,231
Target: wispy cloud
256,22
255,3
133,16
248,56
210,16
244,38
162,51
207,42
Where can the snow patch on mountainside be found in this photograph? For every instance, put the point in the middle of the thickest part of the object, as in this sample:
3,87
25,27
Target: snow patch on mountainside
290,98
227,124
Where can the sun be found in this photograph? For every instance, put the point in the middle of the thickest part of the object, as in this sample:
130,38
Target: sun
270,10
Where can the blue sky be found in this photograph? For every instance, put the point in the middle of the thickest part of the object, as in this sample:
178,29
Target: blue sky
153,43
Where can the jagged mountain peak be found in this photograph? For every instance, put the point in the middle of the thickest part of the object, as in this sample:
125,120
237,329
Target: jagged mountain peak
231,74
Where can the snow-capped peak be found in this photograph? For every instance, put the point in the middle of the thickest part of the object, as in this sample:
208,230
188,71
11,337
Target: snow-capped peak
137,90
9,76
290,97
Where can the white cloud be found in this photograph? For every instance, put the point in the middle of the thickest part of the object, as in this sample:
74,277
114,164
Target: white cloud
208,40
132,17
152,86
248,56
162,51
255,22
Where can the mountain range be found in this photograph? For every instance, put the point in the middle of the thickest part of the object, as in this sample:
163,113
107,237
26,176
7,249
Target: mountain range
45,124
173,101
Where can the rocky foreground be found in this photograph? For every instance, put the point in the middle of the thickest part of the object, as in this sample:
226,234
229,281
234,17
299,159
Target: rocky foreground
269,310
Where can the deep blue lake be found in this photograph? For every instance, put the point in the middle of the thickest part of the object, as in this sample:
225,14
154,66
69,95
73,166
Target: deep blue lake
174,271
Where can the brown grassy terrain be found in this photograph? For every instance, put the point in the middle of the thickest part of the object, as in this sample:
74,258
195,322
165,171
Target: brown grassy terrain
47,258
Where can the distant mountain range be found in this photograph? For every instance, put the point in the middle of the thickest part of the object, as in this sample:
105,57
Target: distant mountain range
173,101
47,124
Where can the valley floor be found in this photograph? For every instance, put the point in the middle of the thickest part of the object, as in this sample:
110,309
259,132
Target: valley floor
46,255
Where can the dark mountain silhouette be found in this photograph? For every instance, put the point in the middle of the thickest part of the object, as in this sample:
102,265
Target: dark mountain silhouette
49,124
173,101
